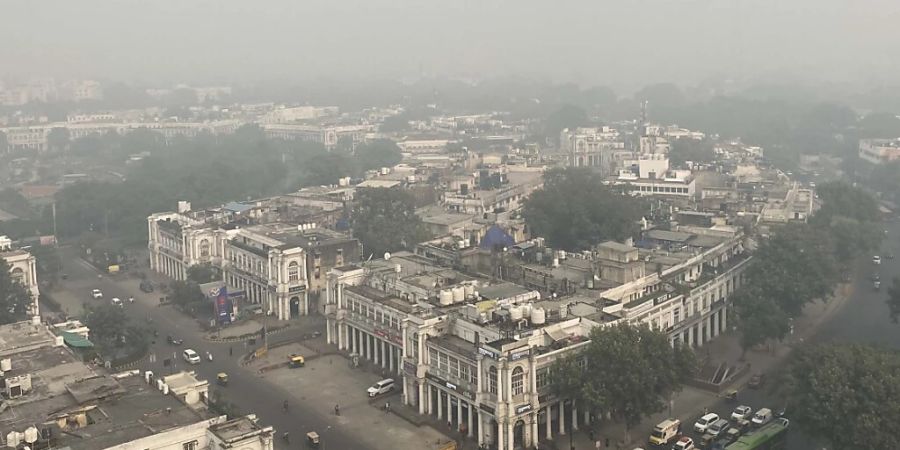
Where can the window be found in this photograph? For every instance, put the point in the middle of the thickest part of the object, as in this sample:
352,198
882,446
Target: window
492,380
543,378
518,381
204,248
293,271
193,445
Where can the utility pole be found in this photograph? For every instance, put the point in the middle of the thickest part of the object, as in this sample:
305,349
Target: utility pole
53,211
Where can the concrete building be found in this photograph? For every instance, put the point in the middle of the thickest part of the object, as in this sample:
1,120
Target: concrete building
879,151
53,400
651,176
272,263
23,269
601,148
476,353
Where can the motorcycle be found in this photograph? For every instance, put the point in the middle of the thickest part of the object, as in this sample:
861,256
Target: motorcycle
130,299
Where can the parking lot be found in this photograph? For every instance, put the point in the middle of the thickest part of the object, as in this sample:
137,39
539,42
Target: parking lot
328,380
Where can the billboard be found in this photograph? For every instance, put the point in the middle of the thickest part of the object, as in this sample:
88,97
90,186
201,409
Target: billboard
222,305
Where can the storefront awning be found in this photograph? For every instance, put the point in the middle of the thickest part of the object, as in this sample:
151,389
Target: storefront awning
76,340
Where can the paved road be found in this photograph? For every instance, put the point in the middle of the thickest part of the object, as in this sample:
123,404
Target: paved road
863,319
245,388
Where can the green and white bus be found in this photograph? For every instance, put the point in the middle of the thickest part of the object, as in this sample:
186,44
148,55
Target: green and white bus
769,437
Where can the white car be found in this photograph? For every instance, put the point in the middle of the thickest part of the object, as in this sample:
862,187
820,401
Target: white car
684,443
717,427
191,356
96,293
742,412
382,387
704,422
876,260
117,302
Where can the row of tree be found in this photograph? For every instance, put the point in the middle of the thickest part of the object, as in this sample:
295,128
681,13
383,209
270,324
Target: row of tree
801,263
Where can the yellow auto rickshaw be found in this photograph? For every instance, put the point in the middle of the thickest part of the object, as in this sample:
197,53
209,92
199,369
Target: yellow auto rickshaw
295,361
312,439
222,378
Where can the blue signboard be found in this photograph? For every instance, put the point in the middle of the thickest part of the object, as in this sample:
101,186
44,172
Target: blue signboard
223,306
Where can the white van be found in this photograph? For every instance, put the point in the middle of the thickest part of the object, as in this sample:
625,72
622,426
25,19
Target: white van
665,431
762,417
384,386
704,422
191,356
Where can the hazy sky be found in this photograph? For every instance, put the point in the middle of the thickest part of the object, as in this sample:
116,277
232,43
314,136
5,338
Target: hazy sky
586,41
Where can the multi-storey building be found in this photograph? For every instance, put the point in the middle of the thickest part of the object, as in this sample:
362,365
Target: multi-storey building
879,151
273,263
600,148
23,270
476,353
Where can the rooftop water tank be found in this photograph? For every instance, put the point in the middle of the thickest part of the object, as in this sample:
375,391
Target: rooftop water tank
470,290
515,313
459,294
446,297
538,316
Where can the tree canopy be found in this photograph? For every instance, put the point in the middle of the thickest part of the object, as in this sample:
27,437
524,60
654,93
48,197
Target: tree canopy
568,116
692,150
847,394
203,273
385,220
14,298
893,299
378,153
575,210
627,370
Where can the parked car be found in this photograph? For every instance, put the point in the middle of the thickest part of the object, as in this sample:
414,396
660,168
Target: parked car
146,286
685,443
876,260
96,293
174,340
704,422
762,417
757,380
742,412
191,356
116,302
717,427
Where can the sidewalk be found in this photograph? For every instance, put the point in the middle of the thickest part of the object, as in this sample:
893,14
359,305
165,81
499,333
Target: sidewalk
726,348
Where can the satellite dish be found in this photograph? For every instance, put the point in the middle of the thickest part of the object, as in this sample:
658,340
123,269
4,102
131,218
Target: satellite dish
387,256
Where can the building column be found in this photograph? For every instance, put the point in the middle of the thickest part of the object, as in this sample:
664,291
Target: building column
500,436
534,430
383,354
512,439
428,398
549,423
724,318
715,322
421,388
329,338
562,418
449,408
480,429
469,418
574,417
440,405
459,420
587,417
371,339
392,355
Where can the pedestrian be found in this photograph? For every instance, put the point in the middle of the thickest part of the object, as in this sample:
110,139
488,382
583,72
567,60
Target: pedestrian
607,442
230,351
597,445
591,434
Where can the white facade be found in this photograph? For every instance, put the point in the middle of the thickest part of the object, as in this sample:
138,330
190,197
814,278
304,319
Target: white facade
22,268
493,385
879,151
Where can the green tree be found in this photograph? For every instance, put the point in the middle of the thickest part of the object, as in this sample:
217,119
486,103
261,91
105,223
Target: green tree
571,219
385,220
692,150
893,300
203,273
760,318
15,300
631,372
567,380
378,153
568,116
58,139
108,325
847,394
187,294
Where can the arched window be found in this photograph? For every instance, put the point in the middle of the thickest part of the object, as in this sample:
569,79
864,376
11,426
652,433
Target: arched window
293,271
204,248
18,274
518,381
492,380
